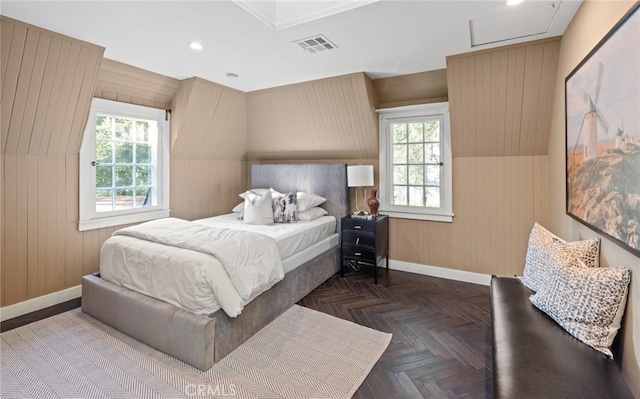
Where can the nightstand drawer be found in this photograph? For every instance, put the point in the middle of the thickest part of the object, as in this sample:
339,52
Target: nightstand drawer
358,225
362,239
358,253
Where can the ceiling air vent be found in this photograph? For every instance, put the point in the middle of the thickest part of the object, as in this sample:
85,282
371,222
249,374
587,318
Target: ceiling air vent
316,44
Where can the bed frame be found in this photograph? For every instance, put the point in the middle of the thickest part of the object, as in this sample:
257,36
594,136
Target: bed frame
202,340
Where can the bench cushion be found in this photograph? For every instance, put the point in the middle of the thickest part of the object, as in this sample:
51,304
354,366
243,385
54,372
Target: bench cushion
533,357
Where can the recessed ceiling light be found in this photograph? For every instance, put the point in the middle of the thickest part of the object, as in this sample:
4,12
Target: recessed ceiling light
514,2
232,75
195,45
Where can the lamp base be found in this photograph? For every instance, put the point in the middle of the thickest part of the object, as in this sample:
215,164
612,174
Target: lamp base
358,211
362,215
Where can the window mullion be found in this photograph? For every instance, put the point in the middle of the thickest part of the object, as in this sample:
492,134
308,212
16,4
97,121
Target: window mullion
134,169
113,162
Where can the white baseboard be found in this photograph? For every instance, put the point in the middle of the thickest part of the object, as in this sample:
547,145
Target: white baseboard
41,302
442,272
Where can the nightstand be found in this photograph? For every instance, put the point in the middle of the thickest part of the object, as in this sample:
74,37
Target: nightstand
365,242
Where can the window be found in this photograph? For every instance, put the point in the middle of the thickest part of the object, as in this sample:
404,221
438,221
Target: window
415,162
124,165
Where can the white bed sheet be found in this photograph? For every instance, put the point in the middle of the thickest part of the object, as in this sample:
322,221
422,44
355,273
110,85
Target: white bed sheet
316,249
291,238
301,241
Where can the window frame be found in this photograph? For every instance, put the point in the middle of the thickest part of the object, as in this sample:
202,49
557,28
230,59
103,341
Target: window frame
388,116
89,218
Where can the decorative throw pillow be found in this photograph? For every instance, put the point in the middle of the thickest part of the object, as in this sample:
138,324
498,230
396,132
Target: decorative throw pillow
563,254
307,201
285,207
258,209
311,214
588,302
540,242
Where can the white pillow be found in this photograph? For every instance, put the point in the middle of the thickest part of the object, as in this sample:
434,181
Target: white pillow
588,302
258,209
238,208
258,191
307,201
536,266
311,214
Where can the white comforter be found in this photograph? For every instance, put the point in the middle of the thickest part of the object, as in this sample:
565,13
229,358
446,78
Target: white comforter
232,266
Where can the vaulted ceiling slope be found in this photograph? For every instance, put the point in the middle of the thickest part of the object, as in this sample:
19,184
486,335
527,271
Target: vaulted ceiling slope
324,119
381,39
121,82
208,121
48,81
501,99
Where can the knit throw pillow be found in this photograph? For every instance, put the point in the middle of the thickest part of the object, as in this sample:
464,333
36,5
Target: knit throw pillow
588,302
537,262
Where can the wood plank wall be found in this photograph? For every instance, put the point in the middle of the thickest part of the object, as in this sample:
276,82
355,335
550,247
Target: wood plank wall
125,83
497,97
2,191
324,119
416,88
47,85
208,149
500,102
48,81
501,99
496,201
206,187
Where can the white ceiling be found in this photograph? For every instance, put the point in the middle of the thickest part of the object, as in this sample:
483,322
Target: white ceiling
383,38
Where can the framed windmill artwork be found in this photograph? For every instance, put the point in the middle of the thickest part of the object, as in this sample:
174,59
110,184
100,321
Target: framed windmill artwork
602,98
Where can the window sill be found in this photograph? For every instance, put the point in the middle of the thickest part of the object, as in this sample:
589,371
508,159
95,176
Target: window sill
99,223
434,217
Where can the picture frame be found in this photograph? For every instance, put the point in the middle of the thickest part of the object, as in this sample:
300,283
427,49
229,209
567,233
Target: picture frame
602,121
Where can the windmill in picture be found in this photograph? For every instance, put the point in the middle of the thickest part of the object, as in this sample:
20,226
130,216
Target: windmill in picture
592,118
620,135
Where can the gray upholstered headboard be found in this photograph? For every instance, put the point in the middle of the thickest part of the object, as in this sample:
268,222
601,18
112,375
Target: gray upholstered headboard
326,180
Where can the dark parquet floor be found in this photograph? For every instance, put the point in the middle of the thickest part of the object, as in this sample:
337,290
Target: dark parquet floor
441,345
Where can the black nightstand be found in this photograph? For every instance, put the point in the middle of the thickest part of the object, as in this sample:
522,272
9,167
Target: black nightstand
365,242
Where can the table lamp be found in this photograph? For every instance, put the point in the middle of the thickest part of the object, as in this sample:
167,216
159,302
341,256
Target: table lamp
360,176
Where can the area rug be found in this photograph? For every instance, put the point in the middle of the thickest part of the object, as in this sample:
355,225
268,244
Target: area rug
301,354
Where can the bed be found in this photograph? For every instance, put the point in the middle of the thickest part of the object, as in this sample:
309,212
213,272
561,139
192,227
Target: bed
247,259
200,339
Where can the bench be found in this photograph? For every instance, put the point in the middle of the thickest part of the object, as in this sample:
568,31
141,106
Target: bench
533,357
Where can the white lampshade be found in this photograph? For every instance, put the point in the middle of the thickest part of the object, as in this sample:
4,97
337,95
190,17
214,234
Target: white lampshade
360,176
